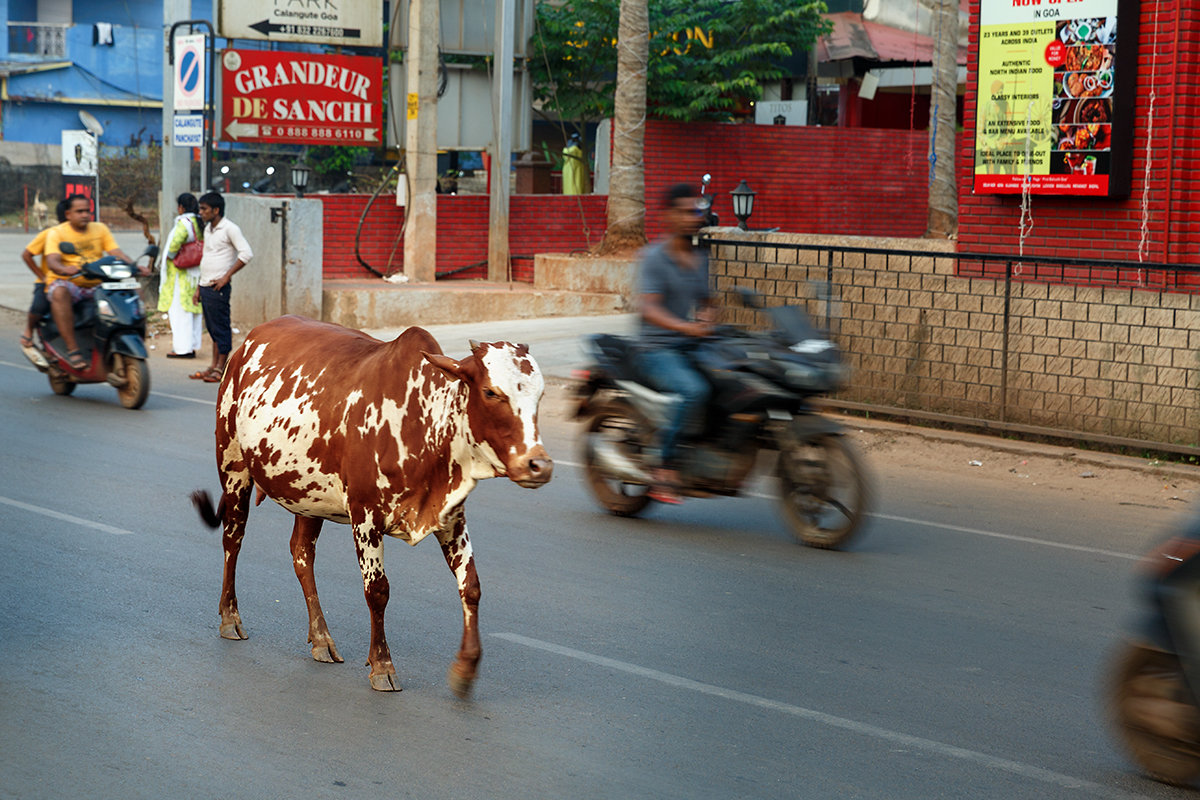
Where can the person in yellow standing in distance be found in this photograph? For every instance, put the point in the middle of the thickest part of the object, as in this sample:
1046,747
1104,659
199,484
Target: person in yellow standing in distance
576,177
65,283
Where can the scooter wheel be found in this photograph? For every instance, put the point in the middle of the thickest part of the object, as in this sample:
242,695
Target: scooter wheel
60,383
621,428
136,388
1154,713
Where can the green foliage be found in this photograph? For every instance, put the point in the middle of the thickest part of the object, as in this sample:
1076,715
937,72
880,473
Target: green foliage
329,160
707,57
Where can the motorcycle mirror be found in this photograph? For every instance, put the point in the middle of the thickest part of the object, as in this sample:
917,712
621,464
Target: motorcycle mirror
66,247
152,251
706,179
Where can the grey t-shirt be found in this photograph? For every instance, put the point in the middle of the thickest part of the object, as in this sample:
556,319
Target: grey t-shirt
682,290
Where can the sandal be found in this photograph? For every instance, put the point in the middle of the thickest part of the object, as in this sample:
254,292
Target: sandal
201,375
26,341
76,360
213,376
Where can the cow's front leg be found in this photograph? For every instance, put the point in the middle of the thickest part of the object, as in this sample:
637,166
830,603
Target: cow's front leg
368,542
456,547
304,552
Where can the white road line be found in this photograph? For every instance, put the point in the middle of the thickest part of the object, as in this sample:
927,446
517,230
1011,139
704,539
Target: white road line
46,512
957,528
904,739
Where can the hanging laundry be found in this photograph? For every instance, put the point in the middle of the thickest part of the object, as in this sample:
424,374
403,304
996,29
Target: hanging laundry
102,34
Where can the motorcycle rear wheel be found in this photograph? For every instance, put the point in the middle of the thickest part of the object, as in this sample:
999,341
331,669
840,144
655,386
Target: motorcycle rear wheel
60,383
1155,715
136,389
823,491
622,426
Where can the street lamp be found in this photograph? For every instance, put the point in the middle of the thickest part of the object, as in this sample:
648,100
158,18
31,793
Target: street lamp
743,203
300,173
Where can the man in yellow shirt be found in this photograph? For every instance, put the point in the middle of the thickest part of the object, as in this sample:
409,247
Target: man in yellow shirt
65,283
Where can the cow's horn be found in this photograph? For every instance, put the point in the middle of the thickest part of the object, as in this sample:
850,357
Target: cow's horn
474,344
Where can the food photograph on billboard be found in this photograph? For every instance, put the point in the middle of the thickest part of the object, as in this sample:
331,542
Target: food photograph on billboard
1056,86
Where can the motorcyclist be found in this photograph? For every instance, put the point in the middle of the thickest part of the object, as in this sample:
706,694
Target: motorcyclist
676,307
65,283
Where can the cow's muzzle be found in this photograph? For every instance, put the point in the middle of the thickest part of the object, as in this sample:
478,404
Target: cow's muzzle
533,470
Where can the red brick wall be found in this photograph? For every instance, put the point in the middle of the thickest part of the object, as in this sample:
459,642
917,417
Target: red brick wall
1078,226
537,224
854,181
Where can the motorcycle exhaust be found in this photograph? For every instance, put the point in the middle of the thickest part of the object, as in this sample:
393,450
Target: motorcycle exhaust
611,461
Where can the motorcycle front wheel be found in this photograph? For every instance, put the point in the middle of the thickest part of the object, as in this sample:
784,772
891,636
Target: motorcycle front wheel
822,491
1154,714
136,374
617,428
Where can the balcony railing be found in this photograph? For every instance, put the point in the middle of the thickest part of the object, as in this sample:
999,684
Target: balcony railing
38,38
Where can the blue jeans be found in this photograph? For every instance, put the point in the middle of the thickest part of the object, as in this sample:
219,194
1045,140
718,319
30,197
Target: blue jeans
670,371
215,304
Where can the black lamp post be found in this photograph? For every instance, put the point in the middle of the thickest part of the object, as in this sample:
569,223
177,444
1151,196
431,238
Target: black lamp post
743,203
300,173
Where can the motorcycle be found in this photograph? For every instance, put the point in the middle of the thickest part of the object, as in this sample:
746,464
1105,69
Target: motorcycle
110,330
760,410
1154,688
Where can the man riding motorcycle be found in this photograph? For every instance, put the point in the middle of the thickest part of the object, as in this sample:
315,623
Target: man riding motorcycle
676,308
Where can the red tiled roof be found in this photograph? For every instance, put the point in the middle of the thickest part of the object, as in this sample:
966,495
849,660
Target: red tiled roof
855,37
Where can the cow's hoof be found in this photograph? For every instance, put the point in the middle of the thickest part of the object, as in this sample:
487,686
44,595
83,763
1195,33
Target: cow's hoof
459,684
233,630
326,654
386,682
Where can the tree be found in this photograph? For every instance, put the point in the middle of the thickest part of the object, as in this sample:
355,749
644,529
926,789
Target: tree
627,190
943,188
706,58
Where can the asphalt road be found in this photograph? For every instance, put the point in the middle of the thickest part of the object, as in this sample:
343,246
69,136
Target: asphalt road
955,651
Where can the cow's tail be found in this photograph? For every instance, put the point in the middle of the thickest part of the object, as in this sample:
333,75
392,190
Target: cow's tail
204,504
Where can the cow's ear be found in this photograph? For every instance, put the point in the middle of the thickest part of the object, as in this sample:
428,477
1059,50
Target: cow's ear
445,363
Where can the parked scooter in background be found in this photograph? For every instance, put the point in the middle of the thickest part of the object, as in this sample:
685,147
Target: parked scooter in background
110,330
1155,681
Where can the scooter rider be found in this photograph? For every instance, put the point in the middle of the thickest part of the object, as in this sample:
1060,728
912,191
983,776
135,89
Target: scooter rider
676,307
64,282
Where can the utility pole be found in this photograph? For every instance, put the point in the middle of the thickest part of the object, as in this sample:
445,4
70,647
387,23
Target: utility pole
420,141
502,100
943,96
176,161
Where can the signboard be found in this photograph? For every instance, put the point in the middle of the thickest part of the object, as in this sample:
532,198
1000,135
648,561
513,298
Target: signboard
189,72
469,26
79,152
343,23
1055,95
464,111
300,98
86,186
781,112
188,130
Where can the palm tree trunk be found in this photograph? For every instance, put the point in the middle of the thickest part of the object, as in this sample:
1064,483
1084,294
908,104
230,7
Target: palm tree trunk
627,188
943,188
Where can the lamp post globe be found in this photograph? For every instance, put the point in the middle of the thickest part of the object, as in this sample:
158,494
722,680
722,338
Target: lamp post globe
300,173
743,202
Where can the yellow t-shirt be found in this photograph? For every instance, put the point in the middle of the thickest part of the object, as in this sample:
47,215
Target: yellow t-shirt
90,244
36,248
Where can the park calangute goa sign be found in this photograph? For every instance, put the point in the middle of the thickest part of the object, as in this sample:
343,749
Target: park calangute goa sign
300,98
1056,97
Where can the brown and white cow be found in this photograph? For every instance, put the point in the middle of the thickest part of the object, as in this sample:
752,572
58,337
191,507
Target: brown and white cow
389,437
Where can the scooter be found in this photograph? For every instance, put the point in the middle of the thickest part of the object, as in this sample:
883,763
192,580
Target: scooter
110,331
1154,683
760,411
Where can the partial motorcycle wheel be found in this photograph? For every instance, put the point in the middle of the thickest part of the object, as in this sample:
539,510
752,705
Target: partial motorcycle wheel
1155,715
618,426
136,374
60,383
823,491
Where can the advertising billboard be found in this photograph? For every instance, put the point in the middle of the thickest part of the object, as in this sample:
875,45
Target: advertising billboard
300,98
1055,97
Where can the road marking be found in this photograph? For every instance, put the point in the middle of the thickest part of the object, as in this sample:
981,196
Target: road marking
862,728
955,528
201,401
46,512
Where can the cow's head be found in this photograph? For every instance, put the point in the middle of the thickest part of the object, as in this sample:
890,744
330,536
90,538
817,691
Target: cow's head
504,387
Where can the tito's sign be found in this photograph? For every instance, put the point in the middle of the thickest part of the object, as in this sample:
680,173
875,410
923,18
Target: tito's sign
300,98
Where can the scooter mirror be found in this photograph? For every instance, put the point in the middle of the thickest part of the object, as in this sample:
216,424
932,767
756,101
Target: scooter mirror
66,247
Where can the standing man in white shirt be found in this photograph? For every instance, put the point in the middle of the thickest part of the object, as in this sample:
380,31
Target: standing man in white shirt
225,252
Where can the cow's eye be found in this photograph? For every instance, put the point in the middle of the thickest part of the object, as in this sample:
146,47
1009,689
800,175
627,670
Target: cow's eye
490,395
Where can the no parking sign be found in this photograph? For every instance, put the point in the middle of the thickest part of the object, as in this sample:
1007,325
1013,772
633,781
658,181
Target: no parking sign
189,72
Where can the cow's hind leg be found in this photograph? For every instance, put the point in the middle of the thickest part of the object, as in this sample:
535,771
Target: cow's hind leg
236,506
456,547
368,542
304,551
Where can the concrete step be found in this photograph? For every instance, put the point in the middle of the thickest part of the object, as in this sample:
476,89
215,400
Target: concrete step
375,304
